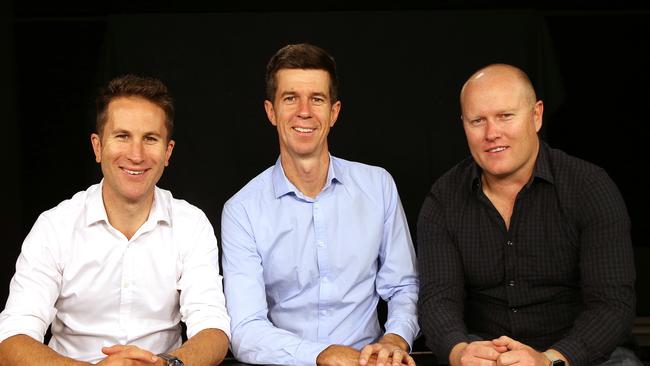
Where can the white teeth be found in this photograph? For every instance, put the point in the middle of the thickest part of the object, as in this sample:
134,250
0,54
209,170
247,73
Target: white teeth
134,172
497,149
305,130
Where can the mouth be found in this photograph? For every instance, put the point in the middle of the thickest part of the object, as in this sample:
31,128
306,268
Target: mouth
303,129
497,149
133,172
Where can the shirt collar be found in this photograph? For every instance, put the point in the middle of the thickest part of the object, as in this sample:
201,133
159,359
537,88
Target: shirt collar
282,185
96,211
542,169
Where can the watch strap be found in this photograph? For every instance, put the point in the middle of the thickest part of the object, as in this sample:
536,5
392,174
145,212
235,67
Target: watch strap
171,359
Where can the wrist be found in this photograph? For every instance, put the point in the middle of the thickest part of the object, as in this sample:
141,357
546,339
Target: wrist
555,358
456,353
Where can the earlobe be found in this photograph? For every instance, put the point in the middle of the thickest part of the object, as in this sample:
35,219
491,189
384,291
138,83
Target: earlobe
336,108
539,112
270,112
96,142
170,148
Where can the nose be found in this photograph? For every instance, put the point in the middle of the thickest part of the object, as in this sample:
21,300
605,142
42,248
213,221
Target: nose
304,109
492,130
136,151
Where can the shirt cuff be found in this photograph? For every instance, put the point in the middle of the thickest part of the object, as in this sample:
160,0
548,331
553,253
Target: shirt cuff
574,352
307,352
448,343
404,330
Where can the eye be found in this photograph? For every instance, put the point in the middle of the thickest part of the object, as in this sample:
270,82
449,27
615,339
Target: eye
506,116
150,139
477,121
122,137
318,100
289,99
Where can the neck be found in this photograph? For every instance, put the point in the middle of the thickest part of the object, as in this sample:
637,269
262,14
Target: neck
126,217
308,174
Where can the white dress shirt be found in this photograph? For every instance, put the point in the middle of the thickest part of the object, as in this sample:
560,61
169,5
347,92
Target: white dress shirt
99,288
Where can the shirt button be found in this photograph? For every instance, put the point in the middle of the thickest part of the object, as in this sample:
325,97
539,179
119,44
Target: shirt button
511,283
509,243
321,244
514,310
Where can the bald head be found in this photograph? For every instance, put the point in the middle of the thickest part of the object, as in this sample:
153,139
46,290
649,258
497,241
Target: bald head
500,76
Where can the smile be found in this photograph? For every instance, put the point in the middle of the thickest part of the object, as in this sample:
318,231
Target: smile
133,172
304,129
496,149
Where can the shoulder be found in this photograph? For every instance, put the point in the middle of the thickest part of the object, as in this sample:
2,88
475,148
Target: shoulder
455,182
180,210
69,210
573,170
585,189
257,189
361,173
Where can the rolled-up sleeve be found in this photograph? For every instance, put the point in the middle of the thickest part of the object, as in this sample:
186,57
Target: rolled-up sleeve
202,302
35,286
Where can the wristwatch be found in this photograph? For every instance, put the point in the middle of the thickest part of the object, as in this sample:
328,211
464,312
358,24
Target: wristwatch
171,360
555,361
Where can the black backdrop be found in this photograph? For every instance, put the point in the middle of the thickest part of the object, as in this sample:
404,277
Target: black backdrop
400,70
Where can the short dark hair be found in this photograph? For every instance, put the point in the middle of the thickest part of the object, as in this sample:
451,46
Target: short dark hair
301,56
129,85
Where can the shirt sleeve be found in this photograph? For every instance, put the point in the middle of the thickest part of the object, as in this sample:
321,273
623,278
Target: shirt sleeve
35,286
442,293
202,302
254,338
397,279
607,275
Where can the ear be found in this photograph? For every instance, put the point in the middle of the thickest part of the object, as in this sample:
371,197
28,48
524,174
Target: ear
96,141
270,112
334,115
168,153
538,111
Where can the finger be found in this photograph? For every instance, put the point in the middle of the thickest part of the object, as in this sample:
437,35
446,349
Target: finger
397,356
509,358
135,353
411,361
367,351
111,350
482,351
382,356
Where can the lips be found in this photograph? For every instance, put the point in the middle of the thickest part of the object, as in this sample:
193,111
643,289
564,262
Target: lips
303,129
133,172
496,149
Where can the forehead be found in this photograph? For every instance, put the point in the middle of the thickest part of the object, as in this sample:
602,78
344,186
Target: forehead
311,80
134,113
493,94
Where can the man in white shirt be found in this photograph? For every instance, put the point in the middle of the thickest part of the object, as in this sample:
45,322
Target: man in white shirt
117,267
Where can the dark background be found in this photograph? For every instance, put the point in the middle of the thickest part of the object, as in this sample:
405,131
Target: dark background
400,69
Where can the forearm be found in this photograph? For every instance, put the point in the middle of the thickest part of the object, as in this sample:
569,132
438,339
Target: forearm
22,350
207,348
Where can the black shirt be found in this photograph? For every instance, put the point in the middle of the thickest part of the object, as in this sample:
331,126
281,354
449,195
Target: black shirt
561,277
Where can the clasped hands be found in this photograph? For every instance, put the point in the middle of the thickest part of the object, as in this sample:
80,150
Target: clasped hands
502,351
390,350
129,355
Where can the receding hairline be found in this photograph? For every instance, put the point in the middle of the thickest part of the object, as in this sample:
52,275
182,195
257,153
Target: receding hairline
500,70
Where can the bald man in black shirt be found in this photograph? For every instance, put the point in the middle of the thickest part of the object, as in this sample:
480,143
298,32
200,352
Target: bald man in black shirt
525,252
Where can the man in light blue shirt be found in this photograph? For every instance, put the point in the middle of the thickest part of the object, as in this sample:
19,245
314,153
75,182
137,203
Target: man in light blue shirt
312,243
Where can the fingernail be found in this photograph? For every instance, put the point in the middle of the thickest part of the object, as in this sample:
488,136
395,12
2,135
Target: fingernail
154,358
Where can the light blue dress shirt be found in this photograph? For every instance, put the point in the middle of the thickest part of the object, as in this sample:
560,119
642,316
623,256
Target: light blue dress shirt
302,273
